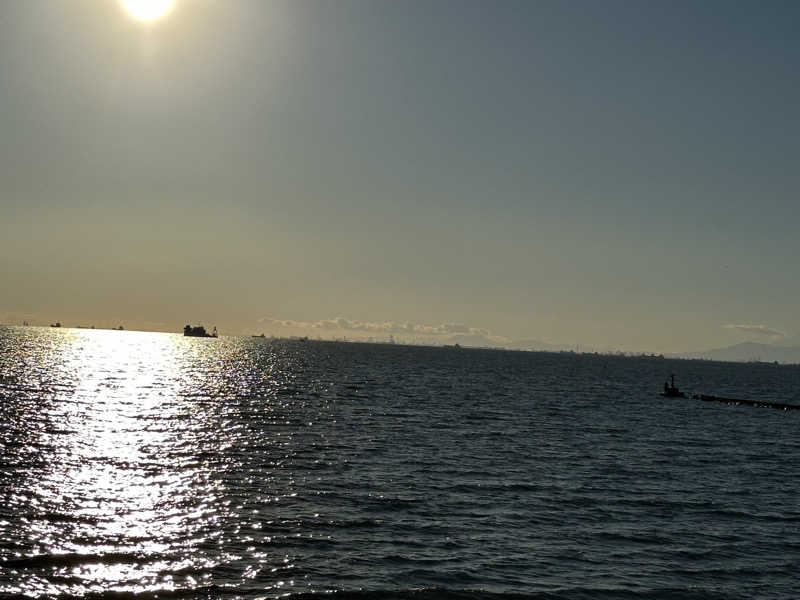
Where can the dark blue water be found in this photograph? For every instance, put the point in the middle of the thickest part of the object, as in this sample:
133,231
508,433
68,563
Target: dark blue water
151,465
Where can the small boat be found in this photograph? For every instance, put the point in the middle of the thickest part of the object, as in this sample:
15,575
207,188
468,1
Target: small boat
199,331
670,389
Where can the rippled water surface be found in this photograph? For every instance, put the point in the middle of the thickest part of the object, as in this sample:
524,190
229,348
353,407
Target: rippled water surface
152,465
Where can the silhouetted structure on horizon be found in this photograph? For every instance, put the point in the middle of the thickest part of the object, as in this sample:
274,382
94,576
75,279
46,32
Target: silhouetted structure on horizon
199,331
670,391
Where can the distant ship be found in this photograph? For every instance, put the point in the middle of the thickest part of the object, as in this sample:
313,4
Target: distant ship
199,331
55,324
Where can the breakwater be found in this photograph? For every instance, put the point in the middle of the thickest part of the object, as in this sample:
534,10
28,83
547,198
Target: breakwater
737,401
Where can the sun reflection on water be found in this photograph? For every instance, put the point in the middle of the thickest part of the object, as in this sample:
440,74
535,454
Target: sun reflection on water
126,492
145,463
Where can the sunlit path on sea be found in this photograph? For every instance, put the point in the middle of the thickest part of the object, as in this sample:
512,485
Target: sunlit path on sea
120,454
139,465
117,490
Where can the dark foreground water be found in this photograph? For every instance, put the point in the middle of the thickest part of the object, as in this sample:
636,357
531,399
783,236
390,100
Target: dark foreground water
139,465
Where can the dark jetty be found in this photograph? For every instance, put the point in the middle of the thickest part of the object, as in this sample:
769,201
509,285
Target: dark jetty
671,391
199,331
757,403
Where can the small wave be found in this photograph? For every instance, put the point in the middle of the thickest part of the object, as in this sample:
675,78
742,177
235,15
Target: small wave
747,515
71,559
560,594
203,593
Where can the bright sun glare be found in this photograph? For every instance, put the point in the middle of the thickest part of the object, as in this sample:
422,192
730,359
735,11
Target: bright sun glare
148,9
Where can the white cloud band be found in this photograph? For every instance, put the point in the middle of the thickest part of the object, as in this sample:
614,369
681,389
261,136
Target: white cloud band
757,329
386,327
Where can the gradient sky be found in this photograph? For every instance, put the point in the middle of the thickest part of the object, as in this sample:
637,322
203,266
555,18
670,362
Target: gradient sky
612,174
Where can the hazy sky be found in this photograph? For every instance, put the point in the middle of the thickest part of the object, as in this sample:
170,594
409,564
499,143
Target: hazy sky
615,173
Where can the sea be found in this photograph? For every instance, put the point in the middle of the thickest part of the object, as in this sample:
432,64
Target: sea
150,465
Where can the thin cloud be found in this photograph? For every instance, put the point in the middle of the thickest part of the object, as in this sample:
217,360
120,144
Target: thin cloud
444,332
757,329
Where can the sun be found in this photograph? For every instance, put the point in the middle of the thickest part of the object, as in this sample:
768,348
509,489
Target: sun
148,10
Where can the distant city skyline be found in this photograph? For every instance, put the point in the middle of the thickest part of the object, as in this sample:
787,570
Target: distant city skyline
767,345
611,175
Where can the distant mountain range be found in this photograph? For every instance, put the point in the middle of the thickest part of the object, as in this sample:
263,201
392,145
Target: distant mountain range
747,352
785,352
788,352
